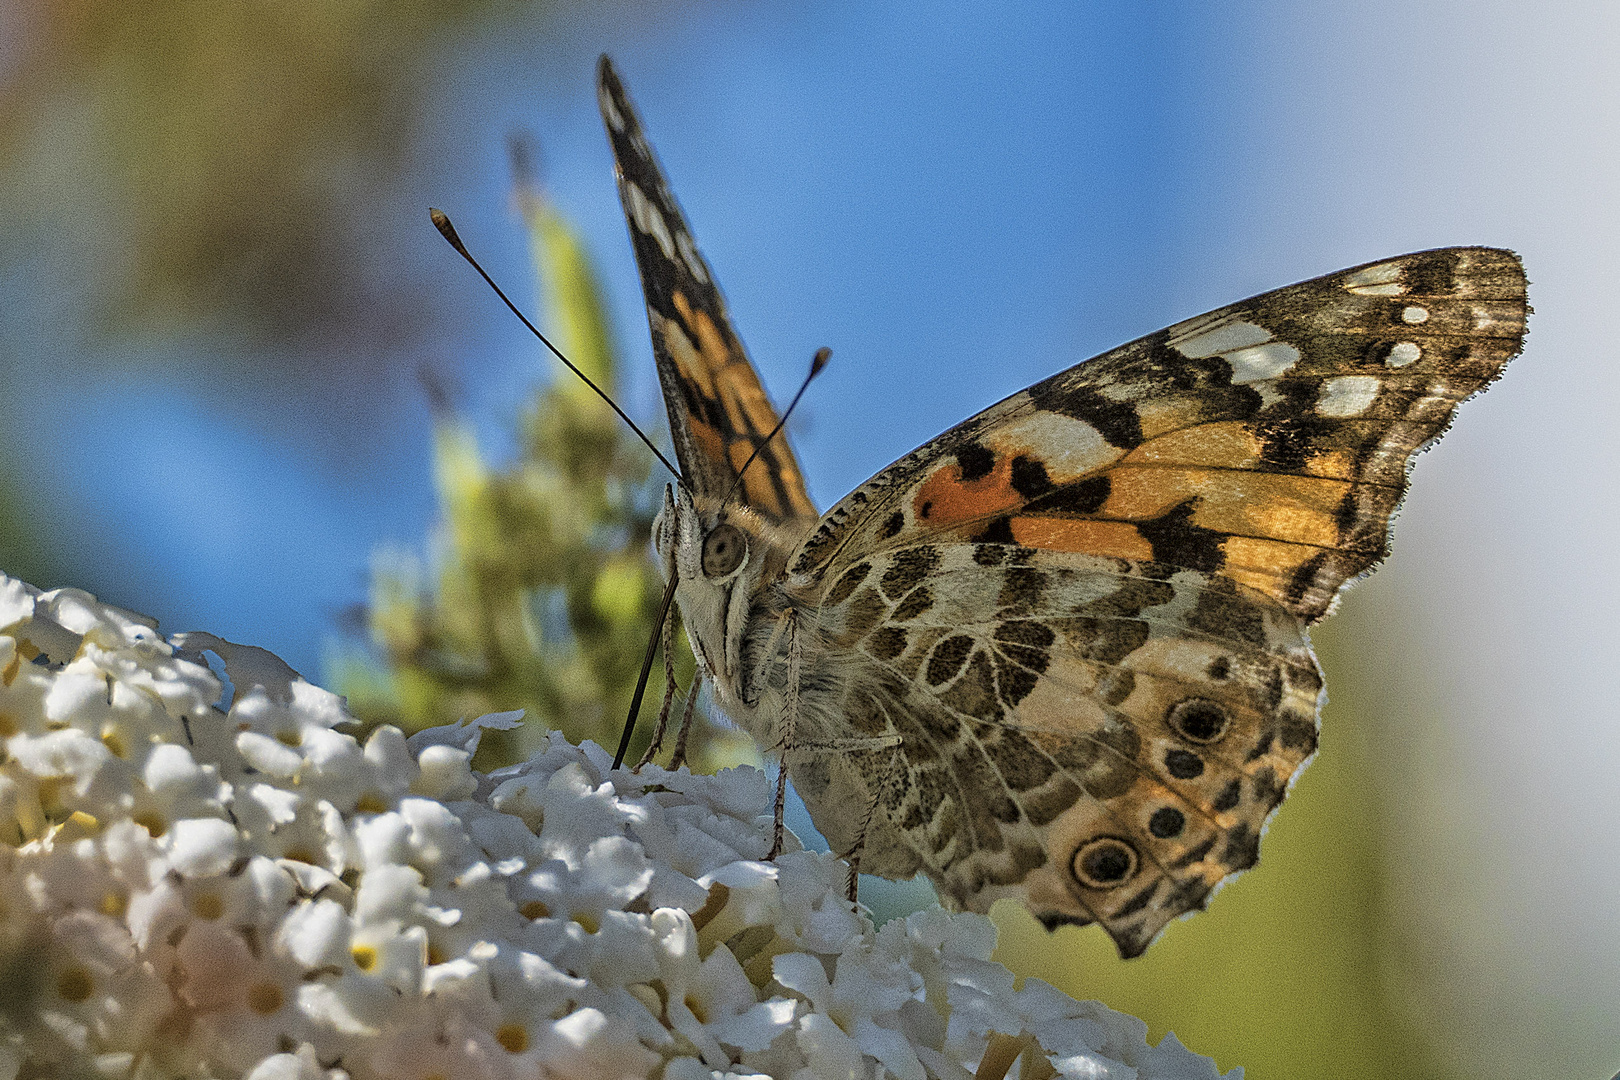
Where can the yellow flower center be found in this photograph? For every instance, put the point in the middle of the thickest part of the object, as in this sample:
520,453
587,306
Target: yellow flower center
207,906
265,998
74,984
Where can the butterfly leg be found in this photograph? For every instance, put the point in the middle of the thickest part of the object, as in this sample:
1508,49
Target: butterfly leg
846,748
678,758
790,720
668,646
778,827
853,856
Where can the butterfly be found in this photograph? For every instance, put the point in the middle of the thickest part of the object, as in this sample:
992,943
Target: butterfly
1059,652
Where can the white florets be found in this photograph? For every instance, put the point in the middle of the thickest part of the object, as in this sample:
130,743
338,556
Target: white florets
252,892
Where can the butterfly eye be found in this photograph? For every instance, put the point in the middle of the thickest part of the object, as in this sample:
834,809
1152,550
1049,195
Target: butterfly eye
723,550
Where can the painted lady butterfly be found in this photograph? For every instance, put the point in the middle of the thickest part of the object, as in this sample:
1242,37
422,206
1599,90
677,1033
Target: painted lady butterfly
1059,651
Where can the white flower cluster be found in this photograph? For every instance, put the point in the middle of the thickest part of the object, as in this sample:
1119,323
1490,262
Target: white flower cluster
186,891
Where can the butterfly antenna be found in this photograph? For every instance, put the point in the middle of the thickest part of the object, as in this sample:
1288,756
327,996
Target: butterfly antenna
646,670
441,221
817,363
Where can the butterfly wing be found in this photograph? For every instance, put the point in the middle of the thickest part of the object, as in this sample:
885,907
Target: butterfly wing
1084,609
718,412
1267,442
1103,736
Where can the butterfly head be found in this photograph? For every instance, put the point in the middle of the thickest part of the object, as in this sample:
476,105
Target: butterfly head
719,553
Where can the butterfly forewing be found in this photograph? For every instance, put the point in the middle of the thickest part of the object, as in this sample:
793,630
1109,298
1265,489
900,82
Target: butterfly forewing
1267,442
1060,651
718,411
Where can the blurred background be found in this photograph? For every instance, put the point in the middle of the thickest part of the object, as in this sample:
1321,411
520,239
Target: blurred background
249,390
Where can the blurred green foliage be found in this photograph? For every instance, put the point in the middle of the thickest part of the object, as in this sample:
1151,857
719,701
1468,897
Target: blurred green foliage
208,164
538,592
205,187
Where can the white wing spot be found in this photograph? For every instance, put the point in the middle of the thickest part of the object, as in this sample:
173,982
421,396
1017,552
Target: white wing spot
610,111
1404,353
1262,361
1381,280
1268,395
1195,341
1347,395
694,262
648,219
1069,448
1248,348
1415,315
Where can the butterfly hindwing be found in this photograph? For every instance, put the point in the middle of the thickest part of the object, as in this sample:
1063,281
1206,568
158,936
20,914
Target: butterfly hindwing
1107,737
718,411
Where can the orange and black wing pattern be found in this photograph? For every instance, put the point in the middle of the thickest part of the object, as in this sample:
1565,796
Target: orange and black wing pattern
718,412
1083,611
1267,442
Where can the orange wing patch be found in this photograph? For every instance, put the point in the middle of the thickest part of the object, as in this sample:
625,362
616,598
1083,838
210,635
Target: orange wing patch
1299,509
946,500
1109,539
1223,445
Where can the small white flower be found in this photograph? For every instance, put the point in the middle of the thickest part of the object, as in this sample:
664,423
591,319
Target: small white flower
299,1066
267,755
588,1045
196,891
830,1054
201,847
446,773
315,933
173,776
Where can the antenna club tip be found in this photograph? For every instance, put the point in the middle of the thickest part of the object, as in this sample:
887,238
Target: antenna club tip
819,361
441,221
